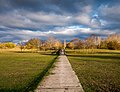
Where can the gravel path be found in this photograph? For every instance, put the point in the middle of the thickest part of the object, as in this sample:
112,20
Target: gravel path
62,78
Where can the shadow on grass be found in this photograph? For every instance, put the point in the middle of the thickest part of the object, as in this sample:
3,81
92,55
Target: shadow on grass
22,52
33,85
107,53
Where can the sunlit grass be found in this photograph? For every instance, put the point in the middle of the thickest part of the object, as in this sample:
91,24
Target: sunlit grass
92,51
20,71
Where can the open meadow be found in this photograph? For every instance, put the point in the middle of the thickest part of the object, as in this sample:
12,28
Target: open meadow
22,71
97,70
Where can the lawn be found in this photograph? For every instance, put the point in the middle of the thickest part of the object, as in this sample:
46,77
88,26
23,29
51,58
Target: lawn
98,71
21,72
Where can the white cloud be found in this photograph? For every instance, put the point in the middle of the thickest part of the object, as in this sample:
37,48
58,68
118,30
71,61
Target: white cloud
110,13
15,19
106,10
87,9
49,18
83,19
40,19
26,19
95,23
84,16
58,32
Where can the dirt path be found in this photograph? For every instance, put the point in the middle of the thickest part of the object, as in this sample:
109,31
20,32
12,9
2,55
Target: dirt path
61,79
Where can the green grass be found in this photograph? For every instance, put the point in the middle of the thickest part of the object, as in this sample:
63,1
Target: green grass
21,72
97,72
92,51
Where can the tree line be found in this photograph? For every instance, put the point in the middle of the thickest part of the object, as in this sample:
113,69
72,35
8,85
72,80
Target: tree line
92,42
112,42
50,44
7,45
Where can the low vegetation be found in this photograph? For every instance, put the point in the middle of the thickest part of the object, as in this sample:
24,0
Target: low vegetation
97,70
21,72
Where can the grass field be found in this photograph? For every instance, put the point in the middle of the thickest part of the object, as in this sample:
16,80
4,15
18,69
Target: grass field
21,72
98,71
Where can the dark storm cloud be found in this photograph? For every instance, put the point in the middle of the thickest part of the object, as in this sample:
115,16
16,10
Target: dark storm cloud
110,14
44,5
34,14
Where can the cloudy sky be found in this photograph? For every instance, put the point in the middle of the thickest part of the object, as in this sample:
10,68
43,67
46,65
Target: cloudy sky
62,19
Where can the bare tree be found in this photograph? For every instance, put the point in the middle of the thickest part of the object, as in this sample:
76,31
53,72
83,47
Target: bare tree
50,42
92,41
21,45
113,37
78,44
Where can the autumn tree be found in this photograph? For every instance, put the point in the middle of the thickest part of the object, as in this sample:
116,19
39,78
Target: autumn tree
28,46
57,44
103,45
33,43
49,44
113,45
7,45
70,45
113,41
1,45
78,44
113,37
92,41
